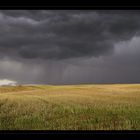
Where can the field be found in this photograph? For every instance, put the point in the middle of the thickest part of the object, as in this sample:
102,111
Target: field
75,107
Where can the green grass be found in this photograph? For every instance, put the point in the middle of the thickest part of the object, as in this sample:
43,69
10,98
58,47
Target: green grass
75,107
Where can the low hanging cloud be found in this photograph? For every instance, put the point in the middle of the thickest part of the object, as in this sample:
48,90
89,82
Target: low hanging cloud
4,82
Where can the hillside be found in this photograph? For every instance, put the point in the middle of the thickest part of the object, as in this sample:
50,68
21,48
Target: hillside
75,107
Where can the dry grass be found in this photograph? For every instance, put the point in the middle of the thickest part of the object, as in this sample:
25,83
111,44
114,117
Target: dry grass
76,107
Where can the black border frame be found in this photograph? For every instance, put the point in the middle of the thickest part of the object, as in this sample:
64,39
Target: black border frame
69,135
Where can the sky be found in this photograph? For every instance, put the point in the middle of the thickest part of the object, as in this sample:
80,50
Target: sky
70,46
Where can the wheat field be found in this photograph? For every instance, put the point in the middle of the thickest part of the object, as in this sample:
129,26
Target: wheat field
70,107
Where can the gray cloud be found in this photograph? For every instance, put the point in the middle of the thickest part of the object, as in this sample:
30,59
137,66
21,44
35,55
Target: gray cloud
69,46
63,34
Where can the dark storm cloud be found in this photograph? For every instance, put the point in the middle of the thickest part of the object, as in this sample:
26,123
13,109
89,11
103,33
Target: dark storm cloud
70,46
64,34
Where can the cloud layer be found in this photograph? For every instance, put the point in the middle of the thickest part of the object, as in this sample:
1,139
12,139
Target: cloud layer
69,46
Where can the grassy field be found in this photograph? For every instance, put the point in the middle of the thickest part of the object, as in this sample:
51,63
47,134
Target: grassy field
75,107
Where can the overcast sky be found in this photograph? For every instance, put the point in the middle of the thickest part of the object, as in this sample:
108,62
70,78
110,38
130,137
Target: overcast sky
70,46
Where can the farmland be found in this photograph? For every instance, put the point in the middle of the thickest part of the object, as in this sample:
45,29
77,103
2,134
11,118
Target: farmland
70,107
